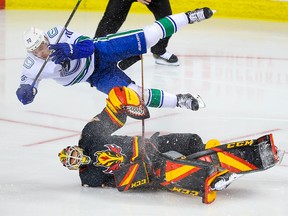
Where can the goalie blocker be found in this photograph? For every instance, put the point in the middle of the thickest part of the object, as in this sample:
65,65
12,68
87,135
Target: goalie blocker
194,174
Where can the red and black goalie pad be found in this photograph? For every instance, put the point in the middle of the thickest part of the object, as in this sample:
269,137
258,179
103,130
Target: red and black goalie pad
131,176
245,156
188,177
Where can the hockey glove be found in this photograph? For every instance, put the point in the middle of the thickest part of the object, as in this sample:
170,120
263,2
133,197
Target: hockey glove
26,93
61,52
126,100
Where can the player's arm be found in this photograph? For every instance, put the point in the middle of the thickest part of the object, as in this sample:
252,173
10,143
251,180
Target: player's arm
82,48
26,92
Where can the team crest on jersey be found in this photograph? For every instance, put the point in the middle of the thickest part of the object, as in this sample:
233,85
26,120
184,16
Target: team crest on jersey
111,158
52,32
28,63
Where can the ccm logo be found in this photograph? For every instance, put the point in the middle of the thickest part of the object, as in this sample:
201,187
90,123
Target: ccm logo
185,191
240,144
138,183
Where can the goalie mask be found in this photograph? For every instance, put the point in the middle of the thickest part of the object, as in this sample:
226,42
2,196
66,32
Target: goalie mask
72,157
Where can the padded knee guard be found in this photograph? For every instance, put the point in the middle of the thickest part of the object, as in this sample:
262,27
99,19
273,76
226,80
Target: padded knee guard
187,177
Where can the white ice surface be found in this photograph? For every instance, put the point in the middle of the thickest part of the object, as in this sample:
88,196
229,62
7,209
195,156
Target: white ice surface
240,68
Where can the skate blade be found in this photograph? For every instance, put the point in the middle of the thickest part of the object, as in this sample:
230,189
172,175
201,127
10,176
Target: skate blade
163,62
200,102
221,185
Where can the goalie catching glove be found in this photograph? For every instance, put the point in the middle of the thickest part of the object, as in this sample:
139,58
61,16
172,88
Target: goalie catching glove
123,99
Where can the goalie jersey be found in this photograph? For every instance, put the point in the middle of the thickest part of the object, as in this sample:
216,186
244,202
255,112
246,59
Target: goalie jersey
111,153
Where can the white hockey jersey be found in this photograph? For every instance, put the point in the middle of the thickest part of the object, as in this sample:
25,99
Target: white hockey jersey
75,71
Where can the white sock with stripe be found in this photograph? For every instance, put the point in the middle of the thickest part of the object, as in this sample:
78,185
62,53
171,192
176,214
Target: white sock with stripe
164,27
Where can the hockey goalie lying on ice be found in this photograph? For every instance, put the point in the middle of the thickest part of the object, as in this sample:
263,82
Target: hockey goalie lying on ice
176,162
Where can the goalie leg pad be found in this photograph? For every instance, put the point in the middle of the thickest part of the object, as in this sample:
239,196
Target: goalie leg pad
248,155
131,176
188,177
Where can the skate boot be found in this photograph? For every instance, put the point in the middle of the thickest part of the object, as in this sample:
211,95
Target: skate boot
223,181
126,63
199,14
187,101
166,59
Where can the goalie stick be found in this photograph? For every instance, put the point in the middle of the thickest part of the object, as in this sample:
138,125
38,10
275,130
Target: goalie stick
58,39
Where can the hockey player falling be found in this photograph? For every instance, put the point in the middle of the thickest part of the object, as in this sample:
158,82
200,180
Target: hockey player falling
77,58
175,162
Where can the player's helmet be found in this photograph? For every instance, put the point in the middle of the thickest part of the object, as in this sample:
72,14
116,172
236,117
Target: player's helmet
33,38
72,157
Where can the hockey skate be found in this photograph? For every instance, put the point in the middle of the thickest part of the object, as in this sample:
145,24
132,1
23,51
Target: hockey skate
223,181
166,59
190,102
199,15
126,63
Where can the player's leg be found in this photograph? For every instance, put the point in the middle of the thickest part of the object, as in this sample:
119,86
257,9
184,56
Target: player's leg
123,45
104,80
161,99
114,16
162,9
119,46
167,26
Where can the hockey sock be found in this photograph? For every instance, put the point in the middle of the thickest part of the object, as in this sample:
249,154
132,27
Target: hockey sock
159,98
156,97
164,27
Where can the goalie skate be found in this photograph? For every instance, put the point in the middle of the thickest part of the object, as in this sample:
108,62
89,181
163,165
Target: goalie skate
223,181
